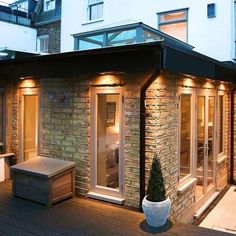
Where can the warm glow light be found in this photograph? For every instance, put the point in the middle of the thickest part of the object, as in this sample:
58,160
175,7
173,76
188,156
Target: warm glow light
28,83
222,87
188,83
208,85
107,80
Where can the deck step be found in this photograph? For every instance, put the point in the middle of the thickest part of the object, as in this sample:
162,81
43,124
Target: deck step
204,207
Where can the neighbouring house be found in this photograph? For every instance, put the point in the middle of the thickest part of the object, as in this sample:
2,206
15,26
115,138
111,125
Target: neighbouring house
112,109
201,24
48,24
29,27
18,33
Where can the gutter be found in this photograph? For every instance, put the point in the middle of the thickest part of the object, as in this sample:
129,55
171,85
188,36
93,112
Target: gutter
232,180
144,88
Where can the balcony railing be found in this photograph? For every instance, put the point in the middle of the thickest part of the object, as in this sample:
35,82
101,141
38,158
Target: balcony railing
12,18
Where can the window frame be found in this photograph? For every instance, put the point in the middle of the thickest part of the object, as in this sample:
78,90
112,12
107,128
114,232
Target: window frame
208,10
42,37
190,176
221,154
3,141
159,23
90,5
44,5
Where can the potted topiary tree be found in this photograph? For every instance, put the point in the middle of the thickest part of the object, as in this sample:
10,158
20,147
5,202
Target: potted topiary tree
156,206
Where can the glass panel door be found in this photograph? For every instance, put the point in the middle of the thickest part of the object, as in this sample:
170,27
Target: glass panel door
106,141
200,146
29,125
210,141
205,147
108,124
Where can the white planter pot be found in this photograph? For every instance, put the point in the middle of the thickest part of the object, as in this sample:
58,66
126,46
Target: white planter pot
156,213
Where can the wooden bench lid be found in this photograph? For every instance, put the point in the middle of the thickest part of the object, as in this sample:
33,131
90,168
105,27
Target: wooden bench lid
43,166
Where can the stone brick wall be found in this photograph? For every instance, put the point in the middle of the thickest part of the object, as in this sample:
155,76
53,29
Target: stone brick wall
65,132
54,32
12,123
235,136
65,108
65,124
162,138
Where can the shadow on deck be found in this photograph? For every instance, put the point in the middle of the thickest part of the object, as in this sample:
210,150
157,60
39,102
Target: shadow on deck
80,217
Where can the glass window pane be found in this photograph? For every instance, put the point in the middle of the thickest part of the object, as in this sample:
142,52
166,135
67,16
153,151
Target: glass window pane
176,30
96,11
211,111
150,37
170,17
200,145
30,126
185,135
211,10
91,42
108,123
220,124
121,38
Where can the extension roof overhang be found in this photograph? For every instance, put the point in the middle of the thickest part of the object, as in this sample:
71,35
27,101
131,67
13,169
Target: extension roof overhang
129,58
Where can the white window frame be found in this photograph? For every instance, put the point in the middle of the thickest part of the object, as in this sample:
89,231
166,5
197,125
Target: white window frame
189,91
3,124
42,37
93,148
90,5
174,21
49,5
221,154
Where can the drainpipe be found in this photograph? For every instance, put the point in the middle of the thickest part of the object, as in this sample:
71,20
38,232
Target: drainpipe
144,88
232,180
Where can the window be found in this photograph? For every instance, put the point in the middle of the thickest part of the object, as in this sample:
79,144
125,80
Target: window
49,5
185,133
174,23
95,9
43,43
220,128
211,10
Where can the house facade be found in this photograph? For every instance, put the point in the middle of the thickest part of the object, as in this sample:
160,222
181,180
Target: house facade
197,23
30,26
48,25
18,32
112,109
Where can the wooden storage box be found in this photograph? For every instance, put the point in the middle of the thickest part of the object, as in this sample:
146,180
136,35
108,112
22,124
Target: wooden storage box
44,180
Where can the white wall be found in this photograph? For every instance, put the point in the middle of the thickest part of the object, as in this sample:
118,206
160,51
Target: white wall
213,37
17,37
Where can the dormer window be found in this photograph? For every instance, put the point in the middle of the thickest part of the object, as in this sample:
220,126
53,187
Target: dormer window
95,9
49,5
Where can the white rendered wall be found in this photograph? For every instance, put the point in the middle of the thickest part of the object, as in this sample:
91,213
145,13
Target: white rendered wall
211,36
17,37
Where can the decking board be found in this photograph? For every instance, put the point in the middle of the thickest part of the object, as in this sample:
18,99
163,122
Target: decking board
78,216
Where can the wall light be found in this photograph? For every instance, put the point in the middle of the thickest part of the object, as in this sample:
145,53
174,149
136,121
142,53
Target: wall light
189,83
109,78
27,83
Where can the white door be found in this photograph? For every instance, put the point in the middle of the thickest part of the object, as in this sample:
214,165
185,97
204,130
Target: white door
107,141
205,151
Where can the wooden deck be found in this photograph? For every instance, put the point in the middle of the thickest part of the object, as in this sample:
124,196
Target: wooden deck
79,217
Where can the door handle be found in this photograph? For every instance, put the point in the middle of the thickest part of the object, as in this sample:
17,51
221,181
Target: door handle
200,148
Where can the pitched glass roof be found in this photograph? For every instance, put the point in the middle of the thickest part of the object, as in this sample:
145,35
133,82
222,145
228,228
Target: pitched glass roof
123,35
